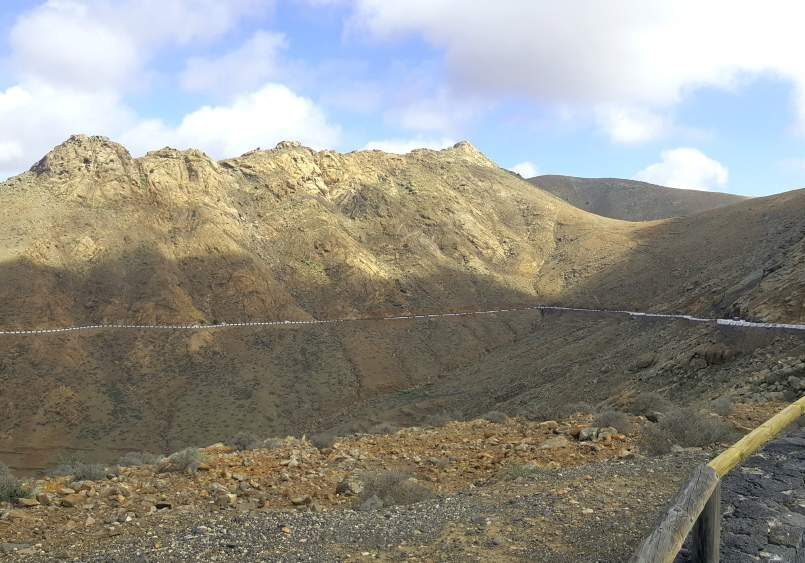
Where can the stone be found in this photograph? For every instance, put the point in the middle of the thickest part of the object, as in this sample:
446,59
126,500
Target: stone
349,486
64,491
786,535
588,434
226,500
163,505
298,501
555,442
548,425
73,500
27,502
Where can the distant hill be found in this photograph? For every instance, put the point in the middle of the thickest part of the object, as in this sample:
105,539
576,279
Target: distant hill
95,236
631,200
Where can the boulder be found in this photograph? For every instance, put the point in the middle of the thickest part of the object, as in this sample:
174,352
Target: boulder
351,485
588,434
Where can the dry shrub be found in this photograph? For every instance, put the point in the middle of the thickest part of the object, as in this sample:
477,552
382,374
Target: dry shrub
10,487
688,428
517,470
495,416
616,419
187,460
392,488
648,403
79,470
384,428
244,441
137,459
723,406
322,440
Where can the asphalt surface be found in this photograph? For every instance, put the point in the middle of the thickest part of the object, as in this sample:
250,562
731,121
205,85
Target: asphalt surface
763,505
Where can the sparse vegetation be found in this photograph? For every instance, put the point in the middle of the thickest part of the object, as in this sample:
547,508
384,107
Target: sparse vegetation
273,443
495,416
322,440
615,419
393,488
686,427
723,406
648,403
572,409
384,428
79,470
10,486
244,441
137,459
517,470
187,460
438,420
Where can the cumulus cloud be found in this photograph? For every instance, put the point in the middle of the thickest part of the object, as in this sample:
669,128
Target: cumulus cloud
403,146
632,125
525,169
74,62
258,119
36,116
92,44
630,53
685,167
239,70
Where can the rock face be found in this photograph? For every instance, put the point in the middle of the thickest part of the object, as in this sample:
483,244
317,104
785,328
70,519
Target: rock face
174,237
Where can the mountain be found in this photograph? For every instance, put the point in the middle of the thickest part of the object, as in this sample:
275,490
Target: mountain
96,236
631,200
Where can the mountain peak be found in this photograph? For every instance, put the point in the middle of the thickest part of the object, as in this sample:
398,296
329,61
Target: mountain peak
82,155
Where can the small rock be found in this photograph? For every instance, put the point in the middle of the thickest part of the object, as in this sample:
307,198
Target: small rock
73,500
298,501
27,502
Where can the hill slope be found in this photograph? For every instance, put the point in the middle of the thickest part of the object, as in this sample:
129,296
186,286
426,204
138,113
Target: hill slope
175,237
631,200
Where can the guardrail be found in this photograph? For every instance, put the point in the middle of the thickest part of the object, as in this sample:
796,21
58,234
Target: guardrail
696,508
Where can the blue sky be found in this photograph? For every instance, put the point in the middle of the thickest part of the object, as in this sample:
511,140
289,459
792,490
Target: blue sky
670,92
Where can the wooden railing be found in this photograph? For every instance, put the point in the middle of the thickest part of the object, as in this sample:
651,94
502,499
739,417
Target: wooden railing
696,508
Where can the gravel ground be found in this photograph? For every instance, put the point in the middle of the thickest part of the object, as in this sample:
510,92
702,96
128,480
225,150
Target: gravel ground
596,512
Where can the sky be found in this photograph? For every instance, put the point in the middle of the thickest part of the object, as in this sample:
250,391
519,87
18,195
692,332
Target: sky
691,94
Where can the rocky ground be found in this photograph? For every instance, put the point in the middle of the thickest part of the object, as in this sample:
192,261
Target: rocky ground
512,490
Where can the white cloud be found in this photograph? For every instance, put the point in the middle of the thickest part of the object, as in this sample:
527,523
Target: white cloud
525,169
60,42
240,70
36,116
100,44
631,125
685,168
258,119
631,53
74,60
403,146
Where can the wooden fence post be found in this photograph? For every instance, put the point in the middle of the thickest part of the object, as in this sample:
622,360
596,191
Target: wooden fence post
706,540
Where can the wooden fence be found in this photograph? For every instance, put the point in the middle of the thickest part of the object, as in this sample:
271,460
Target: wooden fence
696,508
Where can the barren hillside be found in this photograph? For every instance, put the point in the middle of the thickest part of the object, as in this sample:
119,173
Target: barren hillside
631,200
94,235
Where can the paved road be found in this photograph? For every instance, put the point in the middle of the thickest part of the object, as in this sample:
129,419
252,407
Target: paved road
763,505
